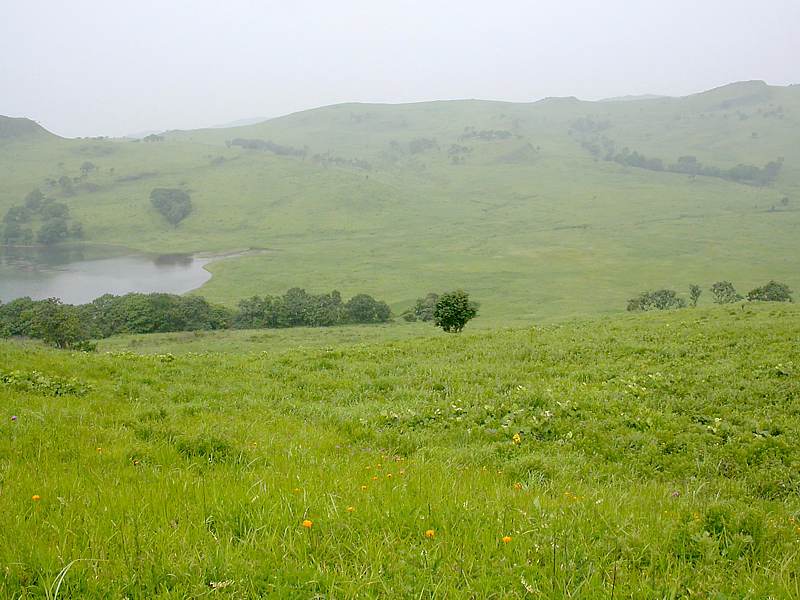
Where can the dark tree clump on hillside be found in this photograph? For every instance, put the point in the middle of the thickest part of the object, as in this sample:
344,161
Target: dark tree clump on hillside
658,300
771,292
695,291
453,311
725,293
174,204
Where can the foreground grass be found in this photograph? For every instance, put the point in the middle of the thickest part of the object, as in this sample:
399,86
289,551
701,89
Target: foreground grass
657,458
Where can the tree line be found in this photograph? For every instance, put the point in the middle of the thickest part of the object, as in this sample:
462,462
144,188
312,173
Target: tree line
602,147
73,326
723,292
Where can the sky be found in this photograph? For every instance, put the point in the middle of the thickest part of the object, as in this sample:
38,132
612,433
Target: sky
100,67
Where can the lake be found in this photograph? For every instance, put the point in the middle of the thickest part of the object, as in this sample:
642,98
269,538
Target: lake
79,274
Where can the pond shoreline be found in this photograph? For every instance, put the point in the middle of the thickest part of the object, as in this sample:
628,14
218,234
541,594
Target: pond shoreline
79,273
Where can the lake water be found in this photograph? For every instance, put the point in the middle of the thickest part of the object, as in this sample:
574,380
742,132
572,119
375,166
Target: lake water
79,274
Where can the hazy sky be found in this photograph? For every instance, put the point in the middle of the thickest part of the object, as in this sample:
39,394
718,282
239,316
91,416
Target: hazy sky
111,67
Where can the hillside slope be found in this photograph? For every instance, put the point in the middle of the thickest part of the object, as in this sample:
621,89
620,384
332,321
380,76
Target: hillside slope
514,202
12,128
655,457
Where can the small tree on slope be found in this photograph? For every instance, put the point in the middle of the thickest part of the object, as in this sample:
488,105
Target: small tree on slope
453,310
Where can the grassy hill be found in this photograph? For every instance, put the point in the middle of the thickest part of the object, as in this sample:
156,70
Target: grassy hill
502,199
656,458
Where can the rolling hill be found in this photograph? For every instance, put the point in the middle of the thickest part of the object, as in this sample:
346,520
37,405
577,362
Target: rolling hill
515,202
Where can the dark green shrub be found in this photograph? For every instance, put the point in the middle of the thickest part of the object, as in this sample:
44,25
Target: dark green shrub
453,311
771,292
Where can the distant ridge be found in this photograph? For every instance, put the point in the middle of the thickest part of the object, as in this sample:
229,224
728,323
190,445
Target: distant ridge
634,98
19,127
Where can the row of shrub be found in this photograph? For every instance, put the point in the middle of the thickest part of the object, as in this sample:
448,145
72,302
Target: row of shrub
602,147
72,326
724,292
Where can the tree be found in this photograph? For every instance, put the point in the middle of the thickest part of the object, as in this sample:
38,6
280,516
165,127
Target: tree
724,292
694,294
174,204
771,292
54,210
87,167
65,183
658,300
425,307
363,308
55,323
453,311
52,231
17,214
34,199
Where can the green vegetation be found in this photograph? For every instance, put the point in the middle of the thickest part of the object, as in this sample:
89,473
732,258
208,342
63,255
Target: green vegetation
641,456
53,216
453,311
497,198
68,326
725,293
658,300
174,205
771,292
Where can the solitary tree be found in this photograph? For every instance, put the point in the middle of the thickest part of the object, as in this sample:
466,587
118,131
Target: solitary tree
174,204
725,293
453,310
771,292
694,294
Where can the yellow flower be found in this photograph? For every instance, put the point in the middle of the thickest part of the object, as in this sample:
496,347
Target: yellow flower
516,438
402,472
351,508
430,534
374,478
389,475
36,497
307,524
99,449
518,486
506,539
363,488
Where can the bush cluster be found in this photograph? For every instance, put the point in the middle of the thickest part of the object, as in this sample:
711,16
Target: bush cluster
723,292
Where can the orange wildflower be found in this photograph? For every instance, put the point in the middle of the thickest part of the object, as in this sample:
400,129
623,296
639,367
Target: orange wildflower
36,497
506,539
307,524
430,534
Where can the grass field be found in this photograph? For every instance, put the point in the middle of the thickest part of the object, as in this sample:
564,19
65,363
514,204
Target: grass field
656,458
532,225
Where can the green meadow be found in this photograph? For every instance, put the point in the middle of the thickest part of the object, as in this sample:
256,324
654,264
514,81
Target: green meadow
646,456
558,448
498,198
